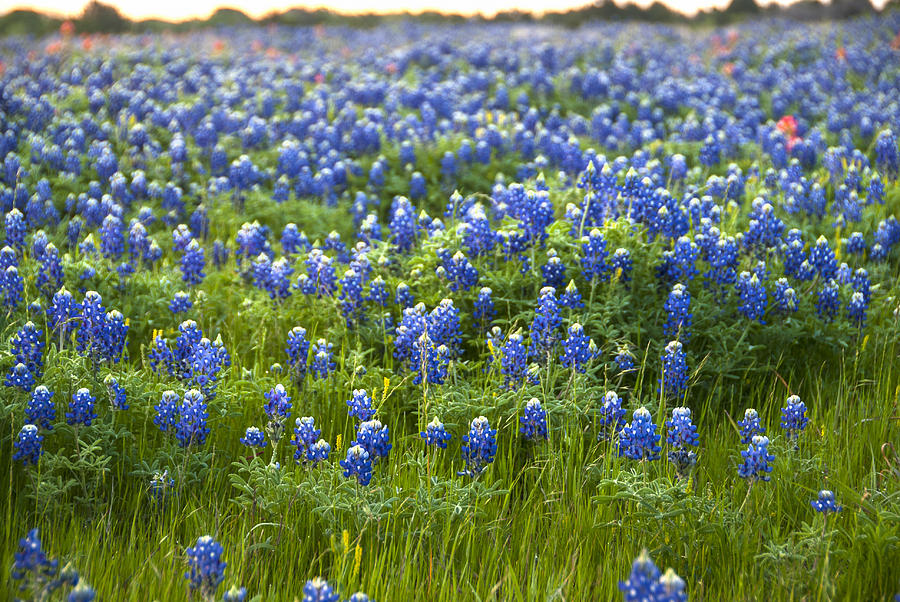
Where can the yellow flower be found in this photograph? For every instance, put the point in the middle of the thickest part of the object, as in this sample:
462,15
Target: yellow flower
337,443
345,539
357,559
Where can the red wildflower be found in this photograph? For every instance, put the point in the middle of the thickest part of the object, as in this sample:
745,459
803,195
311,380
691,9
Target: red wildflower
787,125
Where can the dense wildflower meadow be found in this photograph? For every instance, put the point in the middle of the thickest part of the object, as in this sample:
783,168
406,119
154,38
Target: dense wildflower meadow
483,312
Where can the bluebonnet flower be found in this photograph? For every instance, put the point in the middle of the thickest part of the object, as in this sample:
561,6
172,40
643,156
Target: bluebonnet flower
624,360
361,406
671,588
12,285
752,294
82,592
19,376
645,584
856,309
484,308
639,439
369,229
477,235
681,431
828,302
320,274
887,155
756,458
785,296
16,229
318,452
50,275
278,403
138,241
28,445
90,326
594,254
765,228
360,597
378,292
322,364
860,283
407,154
112,237
278,281
167,412
193,261
318,590
253,437
40,410
297,350
479,447
81,408
554,271
793,417
678,314
359,465
545,324
404,297
235,594
32,566
533,421
679,264
513,361
750,426
181,238
458,270
435,434
351,296
823,259
612,416
681,434
118,398
417,186
207,569
305,436
674,370
181,303
194,359
293,241
27,346
825,503
112,337
375,438
875,190
191,427
412,326
73,231
443,327
403,224
710,152
153,254
571,298
577,349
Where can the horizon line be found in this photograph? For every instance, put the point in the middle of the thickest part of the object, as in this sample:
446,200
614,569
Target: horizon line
257,15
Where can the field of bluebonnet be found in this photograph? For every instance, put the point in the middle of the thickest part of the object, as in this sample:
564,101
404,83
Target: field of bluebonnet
487,312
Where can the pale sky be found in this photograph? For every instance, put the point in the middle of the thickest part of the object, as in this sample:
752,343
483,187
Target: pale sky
175,10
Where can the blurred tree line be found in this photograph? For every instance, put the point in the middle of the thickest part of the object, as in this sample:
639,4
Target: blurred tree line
98,17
